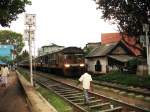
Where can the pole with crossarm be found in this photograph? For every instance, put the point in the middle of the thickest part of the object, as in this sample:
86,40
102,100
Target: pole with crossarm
30,23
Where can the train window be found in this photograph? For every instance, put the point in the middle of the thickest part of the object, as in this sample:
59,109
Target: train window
74,58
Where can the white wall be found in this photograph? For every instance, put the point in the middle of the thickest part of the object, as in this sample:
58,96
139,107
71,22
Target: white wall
91,64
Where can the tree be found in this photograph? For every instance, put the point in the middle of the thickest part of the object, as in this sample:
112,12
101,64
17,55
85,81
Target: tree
23,56
12,38
9,9
129,15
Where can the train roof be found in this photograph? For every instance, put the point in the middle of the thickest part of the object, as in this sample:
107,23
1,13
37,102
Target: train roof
71,50
67,50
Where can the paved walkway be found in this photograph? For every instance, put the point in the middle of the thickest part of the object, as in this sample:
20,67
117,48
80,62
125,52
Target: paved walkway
12,98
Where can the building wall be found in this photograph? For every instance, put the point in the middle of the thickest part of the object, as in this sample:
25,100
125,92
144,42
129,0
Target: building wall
92,62
49,49
6,51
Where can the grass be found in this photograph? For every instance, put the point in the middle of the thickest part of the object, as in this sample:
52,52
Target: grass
126,79
59,104
25,74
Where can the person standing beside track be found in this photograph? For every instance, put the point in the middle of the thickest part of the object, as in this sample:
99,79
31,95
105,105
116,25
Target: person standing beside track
86,80
5,73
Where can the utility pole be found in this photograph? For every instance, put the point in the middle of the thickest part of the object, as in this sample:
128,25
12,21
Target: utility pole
146,30
29,34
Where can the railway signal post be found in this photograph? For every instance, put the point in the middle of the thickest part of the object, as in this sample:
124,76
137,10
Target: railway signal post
29,35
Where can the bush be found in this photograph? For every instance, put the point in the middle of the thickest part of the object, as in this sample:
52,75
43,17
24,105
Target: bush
125,79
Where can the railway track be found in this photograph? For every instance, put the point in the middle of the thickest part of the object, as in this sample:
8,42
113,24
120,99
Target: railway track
74,96
136,90
128,89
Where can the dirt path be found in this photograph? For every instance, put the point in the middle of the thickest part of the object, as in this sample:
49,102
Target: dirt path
11,97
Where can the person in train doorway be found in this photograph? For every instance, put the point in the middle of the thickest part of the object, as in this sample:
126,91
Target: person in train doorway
86,80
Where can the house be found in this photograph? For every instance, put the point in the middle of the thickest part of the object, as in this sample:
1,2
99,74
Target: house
110,56
114,52
49,49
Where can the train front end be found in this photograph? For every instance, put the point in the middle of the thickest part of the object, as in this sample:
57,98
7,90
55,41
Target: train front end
74,64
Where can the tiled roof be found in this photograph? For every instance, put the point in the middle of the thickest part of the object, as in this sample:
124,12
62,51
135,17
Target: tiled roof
122,58
102,50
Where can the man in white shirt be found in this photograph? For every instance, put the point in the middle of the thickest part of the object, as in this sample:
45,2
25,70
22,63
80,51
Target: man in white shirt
86,84
5,73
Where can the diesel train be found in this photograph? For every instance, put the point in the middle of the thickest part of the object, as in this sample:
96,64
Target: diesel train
68,61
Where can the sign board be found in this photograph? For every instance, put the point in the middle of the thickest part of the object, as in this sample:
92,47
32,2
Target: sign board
30,19
145,27
26,34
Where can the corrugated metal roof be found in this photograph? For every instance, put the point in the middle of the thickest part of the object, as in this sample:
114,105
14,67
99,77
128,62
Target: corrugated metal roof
102,50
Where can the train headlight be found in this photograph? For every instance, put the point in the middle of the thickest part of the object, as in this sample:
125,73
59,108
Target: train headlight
81,65
67,65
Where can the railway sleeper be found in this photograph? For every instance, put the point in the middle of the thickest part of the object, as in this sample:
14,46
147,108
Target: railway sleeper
63,90
81,99
69,92
74,94
42,80
52,85
60,88
91,102
74,97
115,109
101,106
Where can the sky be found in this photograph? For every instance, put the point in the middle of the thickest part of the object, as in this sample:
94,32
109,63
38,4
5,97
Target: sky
64,22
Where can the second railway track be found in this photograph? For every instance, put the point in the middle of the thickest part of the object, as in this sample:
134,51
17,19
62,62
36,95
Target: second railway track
136,90
74,96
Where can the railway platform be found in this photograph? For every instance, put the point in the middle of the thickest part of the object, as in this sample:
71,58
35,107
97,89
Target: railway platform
11,97
20,96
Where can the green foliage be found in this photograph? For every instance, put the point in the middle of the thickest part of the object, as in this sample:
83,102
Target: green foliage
9,9
13,38
23,56
5,59
126,79
132,65
129,16
24,73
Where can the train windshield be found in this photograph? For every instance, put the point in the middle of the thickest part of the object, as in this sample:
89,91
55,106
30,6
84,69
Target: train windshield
74,58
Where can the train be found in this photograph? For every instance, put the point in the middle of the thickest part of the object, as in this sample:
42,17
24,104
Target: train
68,61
